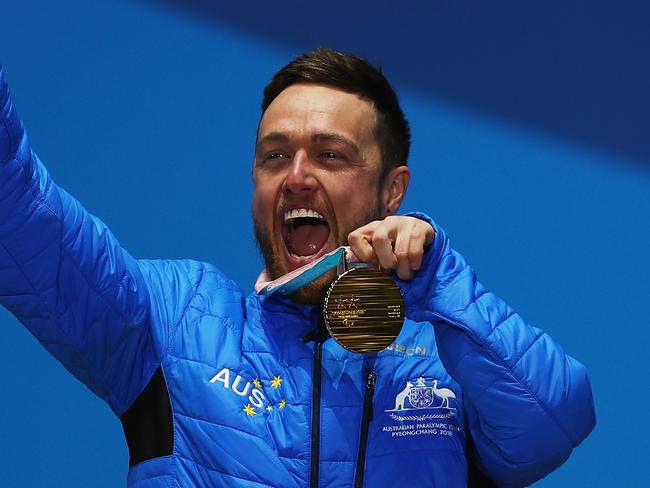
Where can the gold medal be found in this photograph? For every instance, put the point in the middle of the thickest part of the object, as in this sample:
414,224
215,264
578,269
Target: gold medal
364,310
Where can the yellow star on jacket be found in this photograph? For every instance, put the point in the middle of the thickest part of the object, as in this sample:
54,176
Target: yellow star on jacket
257,383
250,411
277,381
283,403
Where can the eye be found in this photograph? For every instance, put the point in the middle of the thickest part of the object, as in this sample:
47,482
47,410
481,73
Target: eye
275,155
272,158
332,156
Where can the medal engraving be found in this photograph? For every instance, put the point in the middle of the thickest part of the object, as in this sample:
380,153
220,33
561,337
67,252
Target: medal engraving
364,310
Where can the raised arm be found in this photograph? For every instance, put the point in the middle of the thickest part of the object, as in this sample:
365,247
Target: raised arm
527,403
66,278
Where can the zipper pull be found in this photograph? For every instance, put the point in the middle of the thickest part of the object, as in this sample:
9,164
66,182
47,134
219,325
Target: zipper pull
371,380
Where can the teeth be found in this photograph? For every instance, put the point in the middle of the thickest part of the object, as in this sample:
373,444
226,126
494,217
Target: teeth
301,213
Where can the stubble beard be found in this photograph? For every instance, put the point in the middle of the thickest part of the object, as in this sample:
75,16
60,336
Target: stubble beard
313,293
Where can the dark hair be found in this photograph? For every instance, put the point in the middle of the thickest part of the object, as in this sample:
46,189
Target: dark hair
352,74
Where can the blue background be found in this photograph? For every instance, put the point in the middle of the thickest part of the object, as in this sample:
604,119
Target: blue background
531,147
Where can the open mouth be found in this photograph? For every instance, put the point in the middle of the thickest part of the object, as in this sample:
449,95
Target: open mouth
305,233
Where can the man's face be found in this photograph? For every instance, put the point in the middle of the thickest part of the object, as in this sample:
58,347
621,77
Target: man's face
316,177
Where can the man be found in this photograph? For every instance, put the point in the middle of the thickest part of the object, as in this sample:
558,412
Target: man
215,389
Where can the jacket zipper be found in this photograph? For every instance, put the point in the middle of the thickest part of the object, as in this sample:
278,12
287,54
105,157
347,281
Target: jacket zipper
366,417
315,413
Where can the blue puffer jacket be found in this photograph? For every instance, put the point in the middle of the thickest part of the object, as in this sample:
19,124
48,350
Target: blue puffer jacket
257,399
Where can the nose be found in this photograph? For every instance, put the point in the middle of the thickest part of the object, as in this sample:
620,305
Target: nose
300,177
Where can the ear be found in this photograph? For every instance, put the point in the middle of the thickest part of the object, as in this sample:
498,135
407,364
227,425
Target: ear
394,189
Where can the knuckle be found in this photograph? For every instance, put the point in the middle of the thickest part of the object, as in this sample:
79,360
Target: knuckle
380,237
402,254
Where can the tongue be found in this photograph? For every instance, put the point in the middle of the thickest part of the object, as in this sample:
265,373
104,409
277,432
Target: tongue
308,239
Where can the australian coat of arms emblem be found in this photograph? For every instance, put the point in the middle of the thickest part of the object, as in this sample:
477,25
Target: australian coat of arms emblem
423,394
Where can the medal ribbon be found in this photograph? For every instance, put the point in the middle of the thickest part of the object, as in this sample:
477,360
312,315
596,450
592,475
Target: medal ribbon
296,279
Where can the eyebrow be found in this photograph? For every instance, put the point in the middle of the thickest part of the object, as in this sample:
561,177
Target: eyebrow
273,137
333,137
320,137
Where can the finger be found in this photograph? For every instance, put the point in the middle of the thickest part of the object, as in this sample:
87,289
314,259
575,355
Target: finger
416,247
382,245
359,241
429,234
402,253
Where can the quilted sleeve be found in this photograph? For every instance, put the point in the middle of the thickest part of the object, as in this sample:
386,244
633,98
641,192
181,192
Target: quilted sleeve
527,403
66,278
